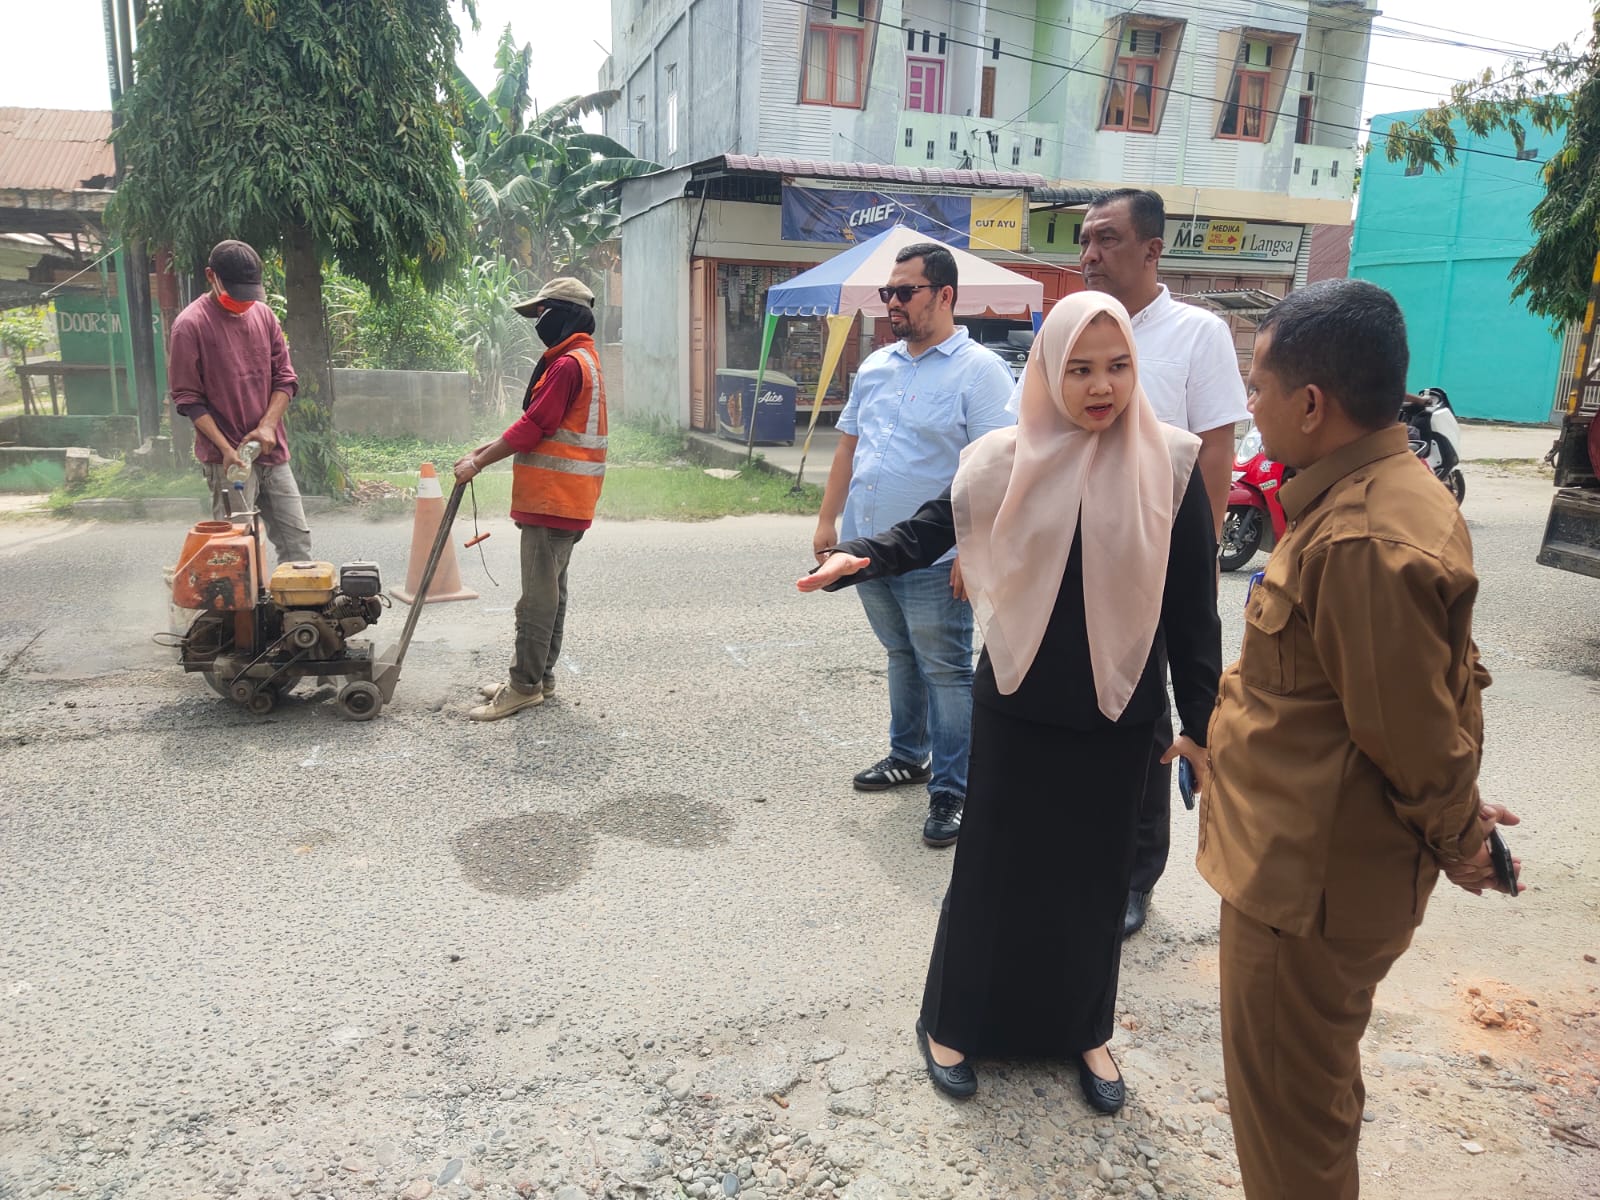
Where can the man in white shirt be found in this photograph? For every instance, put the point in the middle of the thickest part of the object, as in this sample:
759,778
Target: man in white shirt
1190,372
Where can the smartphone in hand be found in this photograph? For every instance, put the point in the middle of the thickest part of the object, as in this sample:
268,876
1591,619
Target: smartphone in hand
1505,871
1186,783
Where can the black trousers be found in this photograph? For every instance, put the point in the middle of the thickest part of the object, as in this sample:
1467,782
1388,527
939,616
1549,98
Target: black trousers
1153,838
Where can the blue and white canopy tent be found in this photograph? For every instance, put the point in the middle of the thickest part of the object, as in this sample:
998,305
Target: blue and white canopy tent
848,283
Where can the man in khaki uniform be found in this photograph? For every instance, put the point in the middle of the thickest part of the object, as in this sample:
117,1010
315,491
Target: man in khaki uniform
1346,740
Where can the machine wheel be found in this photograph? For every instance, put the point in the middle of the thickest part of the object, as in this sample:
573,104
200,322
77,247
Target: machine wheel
360,700
1457,483
1241,536
262,702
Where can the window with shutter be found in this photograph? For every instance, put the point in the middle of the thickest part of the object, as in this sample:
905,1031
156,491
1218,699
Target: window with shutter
1255,85
1141,75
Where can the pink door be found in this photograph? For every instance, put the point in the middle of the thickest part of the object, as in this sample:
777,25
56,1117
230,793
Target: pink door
925,85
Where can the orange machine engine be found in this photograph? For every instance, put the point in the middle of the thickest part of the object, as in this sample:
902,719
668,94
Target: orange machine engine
219,571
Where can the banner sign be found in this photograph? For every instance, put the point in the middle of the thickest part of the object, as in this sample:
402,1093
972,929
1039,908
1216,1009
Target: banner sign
815,213
1209,237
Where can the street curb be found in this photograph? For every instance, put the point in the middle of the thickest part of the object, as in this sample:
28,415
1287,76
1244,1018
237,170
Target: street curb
165,508
711,451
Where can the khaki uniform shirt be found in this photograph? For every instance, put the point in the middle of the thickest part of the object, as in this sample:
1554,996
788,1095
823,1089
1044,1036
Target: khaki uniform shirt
1346,740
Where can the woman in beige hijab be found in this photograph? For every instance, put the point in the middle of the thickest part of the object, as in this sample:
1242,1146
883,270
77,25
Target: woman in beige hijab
1086,545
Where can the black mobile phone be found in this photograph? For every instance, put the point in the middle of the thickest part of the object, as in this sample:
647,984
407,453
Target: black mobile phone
1500,855
1186,784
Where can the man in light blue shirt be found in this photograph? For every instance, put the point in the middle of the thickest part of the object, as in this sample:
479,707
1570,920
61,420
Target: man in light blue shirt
914,407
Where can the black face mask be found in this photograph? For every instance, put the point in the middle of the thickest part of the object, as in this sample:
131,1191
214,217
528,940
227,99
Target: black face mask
561,320
558,322
550,325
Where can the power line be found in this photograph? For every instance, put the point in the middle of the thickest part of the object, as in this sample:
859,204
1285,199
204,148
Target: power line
1064,75
1508,50
1198,55
894,94
1171,91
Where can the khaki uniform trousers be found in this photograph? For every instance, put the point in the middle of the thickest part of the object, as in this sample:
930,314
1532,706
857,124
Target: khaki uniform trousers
1294,1010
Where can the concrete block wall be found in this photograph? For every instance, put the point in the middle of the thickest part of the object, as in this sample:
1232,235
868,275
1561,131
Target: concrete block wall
432,405
33,469
107,435
611,372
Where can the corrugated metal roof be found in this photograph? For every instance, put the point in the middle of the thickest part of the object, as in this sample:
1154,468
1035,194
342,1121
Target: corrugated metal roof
1330,253
54,149
808,168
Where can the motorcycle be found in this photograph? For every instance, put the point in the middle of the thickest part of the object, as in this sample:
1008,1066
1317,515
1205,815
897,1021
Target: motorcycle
1435,437
1255,519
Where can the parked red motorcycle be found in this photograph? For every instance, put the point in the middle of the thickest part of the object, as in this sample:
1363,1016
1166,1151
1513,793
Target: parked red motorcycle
1255,519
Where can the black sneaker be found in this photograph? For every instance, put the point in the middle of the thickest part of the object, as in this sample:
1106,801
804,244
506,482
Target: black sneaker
891,772
943,825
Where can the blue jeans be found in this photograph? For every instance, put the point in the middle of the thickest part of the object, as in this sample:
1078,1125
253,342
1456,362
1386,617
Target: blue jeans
928,634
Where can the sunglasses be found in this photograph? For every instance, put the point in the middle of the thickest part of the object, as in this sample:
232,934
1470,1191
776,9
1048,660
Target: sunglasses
903,293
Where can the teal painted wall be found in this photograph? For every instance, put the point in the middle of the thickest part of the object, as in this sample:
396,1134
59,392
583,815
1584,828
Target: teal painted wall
1444,244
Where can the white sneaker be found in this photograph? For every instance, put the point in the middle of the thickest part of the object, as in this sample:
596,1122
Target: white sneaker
505,701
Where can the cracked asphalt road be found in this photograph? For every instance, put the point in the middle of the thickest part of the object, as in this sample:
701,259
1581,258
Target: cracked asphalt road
645,940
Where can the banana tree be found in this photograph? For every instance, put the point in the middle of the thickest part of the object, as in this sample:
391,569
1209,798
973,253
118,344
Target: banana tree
501,341
541,190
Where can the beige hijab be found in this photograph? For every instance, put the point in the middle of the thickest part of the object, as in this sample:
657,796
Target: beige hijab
1021,492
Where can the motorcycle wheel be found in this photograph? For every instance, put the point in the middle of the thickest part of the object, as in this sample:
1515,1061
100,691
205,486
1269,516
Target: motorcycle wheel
1457,483
1241,536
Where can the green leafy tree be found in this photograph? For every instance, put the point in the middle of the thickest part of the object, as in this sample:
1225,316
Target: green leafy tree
317,129
410,329
22,331
540,188
1557,91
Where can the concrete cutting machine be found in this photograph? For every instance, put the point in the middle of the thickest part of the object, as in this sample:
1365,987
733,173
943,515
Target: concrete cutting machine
254,638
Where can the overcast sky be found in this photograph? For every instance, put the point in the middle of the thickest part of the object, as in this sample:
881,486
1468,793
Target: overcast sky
52,55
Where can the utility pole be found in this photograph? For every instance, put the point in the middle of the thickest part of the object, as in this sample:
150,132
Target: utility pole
135,262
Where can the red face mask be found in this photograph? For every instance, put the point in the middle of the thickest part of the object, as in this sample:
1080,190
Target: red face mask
236,307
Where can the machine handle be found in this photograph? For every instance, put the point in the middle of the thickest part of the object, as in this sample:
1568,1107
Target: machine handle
471,542
440,541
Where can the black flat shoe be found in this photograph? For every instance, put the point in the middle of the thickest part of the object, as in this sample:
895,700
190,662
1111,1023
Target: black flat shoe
1133,917
960,1081
1103,1095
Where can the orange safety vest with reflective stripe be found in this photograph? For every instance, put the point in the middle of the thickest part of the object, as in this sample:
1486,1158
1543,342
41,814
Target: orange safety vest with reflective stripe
561,477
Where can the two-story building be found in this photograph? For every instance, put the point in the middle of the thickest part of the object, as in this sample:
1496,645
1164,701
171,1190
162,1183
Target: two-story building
1243,115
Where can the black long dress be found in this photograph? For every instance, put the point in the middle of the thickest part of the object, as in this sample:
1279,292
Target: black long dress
1025,959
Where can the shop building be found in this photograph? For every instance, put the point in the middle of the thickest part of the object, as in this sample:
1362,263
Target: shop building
702,244
1244,118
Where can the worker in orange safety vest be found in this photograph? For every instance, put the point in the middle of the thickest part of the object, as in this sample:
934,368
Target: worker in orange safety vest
559,444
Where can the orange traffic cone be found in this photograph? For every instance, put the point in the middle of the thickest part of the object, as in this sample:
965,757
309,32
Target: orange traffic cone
446,583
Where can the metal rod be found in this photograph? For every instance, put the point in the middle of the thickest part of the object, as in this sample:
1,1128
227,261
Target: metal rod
441,539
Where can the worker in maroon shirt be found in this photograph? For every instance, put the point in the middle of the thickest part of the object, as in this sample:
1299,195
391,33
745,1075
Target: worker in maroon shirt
230,374
560,448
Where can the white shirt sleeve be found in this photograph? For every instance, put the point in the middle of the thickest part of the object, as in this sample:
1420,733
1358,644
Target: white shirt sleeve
1215,392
